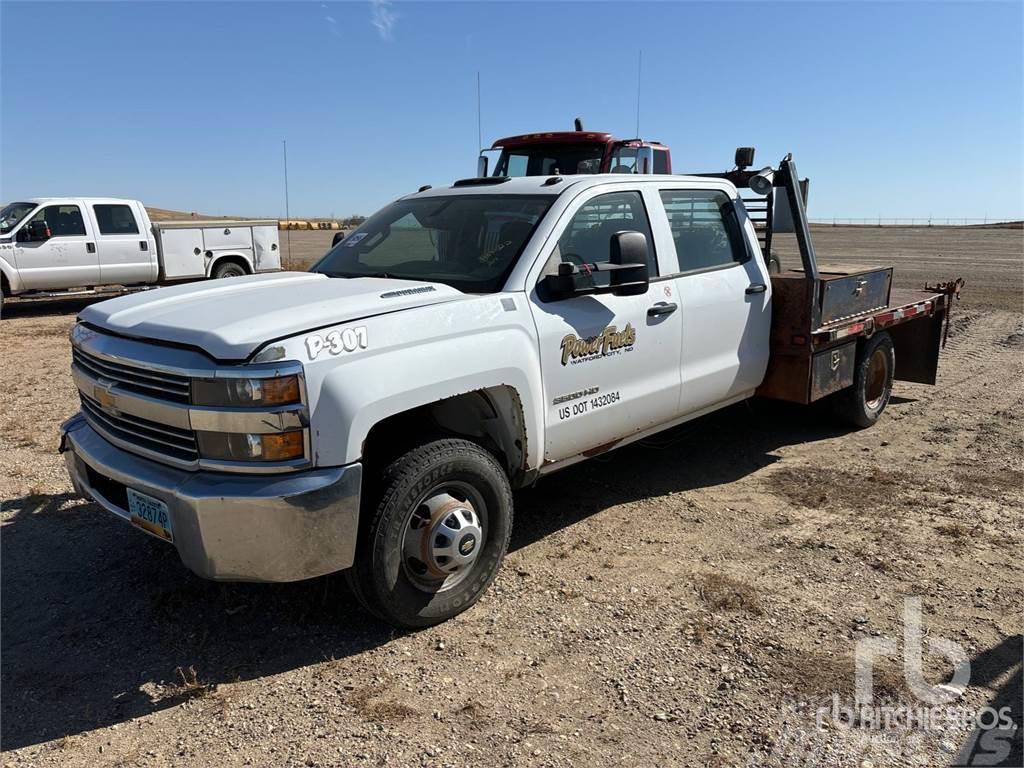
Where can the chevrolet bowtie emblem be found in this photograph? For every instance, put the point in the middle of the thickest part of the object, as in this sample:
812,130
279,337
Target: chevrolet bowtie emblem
102,394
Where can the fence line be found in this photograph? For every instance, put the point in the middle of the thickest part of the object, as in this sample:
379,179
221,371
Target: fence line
922,221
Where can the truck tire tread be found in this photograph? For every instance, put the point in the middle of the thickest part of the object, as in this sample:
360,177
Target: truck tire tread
404,477
851,405
220,270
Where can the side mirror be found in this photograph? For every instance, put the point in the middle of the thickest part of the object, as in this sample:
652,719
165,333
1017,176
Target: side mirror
645,160
626,267
628,252
483,162
34,232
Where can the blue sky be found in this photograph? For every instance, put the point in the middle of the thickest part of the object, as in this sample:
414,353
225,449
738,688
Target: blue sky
901,109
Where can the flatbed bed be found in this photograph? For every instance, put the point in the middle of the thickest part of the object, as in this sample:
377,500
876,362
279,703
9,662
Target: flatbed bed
824,314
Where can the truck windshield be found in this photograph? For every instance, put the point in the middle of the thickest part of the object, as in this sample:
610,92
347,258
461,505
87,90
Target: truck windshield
550,159
470,242
13,213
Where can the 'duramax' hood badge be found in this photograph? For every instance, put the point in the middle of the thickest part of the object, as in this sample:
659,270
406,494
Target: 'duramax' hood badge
610,341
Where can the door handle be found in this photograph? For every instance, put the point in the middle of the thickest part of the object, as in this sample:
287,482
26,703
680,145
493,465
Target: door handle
662,308
143,245
756,288
90,247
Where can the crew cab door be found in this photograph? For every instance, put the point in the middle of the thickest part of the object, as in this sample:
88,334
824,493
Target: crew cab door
724,291
124,248
67,258
609,364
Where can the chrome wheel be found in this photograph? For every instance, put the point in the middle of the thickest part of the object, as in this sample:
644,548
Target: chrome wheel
875,381
444,536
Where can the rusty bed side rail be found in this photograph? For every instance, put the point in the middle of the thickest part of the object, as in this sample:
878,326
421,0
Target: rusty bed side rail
943,296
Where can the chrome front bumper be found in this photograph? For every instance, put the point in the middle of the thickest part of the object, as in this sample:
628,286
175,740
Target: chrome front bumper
230,527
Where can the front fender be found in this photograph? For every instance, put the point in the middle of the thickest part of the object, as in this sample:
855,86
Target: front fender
416,357
11,273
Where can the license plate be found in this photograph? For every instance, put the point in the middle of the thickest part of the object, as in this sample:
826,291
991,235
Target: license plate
150,514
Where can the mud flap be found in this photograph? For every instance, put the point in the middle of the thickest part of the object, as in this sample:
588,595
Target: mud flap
917,344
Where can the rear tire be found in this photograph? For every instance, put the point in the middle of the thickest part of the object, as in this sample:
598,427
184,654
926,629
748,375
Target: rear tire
862,404
228,269
434,534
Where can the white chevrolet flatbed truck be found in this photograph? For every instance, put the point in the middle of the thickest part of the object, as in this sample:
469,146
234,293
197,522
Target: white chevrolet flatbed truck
375,415
50,245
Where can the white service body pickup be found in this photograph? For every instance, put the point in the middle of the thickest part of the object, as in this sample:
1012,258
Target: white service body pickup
374,415
56,243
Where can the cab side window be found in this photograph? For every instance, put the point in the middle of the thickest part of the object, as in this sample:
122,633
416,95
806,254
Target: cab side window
705,229
63,220
116,220
587,238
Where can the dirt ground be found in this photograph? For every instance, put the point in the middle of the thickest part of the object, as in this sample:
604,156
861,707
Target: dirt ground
677,602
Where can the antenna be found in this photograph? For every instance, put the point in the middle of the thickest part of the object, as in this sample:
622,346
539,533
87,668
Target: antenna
479,124
287,207
639,69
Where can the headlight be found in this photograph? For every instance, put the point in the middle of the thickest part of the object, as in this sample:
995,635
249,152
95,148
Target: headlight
282,390
277,446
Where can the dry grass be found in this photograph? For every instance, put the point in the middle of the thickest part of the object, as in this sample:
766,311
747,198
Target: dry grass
819,487
189,686
722,592
367,702
811,674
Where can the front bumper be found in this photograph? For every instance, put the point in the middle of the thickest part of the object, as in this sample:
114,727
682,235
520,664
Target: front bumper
230,527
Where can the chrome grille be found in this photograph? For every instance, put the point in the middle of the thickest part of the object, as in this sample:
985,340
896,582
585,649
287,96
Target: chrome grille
148,435
142,381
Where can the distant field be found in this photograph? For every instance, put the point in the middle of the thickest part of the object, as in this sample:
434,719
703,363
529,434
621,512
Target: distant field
990,259
300,248
165,214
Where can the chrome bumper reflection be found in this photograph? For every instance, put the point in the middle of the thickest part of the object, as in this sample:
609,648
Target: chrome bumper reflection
232,527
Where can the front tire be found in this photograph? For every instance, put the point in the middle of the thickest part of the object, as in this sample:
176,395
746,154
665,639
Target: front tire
862,404
435,535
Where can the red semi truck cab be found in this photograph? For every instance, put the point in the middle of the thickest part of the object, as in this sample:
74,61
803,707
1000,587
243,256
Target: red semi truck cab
572,152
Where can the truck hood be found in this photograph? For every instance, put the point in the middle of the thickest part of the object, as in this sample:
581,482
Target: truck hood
230,319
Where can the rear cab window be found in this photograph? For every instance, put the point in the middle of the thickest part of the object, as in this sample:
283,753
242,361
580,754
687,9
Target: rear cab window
705,229
115,219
